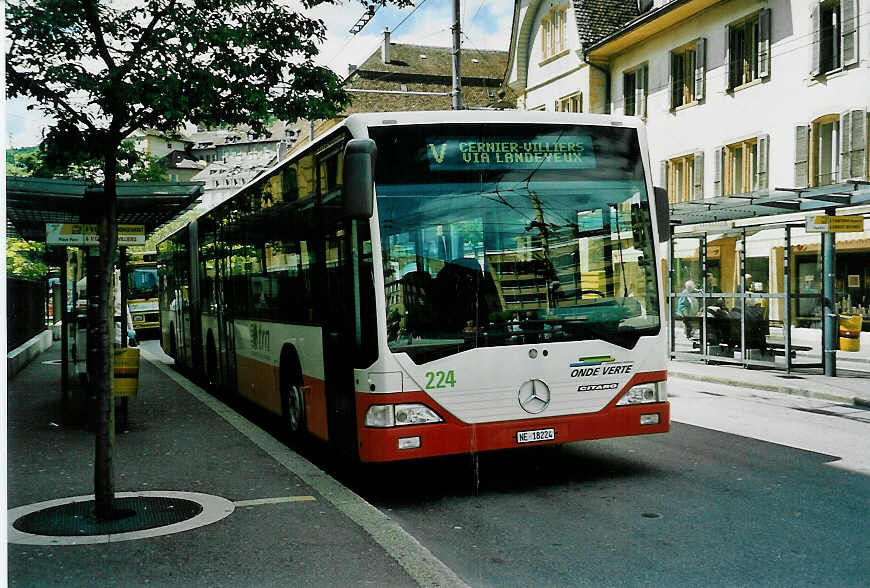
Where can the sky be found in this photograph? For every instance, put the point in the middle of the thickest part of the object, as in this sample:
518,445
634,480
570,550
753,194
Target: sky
486,24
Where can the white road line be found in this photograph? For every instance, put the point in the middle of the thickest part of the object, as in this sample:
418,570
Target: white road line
426,569
276,500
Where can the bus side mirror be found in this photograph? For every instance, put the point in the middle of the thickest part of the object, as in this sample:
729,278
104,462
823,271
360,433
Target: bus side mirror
663,214
359,176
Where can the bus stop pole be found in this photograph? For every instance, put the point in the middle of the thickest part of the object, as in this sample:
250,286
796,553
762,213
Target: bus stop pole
829,308
123,279
65,317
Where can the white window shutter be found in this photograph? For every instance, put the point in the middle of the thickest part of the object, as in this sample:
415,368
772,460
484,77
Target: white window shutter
849,34
640,91
802,156
698,175
671,89
700,67
845,145
728,65
763,161
717,170
816,41
764,43
858,153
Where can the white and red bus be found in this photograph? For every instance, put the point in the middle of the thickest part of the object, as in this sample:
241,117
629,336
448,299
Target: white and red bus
414,284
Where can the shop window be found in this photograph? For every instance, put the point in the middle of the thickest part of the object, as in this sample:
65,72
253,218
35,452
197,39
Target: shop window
748,49
553,33
835,33
572,103
634,85
688,73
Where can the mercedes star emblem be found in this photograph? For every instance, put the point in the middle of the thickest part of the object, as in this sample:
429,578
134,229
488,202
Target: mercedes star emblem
534,396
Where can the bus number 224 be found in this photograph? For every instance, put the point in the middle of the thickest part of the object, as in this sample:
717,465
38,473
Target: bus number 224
440,379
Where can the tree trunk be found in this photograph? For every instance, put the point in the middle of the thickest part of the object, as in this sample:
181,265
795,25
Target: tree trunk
104,329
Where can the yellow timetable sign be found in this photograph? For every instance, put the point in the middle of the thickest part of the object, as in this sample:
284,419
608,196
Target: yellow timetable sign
131,235
87,235
835,224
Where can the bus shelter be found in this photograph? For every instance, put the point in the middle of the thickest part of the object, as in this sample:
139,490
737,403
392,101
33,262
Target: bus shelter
32,203
764,279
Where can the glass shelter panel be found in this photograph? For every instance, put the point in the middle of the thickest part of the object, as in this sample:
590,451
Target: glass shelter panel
686,296
805,297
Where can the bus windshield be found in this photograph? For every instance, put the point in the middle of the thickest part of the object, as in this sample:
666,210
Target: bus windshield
513,234
142,283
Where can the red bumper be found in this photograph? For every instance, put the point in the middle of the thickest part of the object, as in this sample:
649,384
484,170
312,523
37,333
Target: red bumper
453,436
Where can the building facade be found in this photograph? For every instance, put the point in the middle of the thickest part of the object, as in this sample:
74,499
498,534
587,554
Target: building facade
547,66
746,103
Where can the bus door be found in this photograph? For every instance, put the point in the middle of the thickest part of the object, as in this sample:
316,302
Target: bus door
339,336
225,324
338,308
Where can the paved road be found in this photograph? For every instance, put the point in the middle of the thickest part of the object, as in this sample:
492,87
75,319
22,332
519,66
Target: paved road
695,507
750,488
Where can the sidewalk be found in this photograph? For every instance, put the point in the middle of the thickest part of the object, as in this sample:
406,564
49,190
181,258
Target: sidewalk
291,524
849,387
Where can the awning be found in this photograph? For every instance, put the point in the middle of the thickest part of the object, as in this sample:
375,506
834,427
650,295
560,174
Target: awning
765,203
33,202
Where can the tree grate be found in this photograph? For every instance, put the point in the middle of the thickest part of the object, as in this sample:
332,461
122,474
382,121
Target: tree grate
135,513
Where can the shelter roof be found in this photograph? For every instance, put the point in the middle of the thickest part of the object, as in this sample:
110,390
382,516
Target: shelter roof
765,203
33,202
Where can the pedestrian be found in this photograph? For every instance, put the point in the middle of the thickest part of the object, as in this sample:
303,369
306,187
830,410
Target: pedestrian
687,306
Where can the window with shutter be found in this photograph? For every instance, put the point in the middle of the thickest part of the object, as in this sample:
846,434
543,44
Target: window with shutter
681,179
740,173
801,156
683,66
834,35
824,150
853,145
634,95
748,49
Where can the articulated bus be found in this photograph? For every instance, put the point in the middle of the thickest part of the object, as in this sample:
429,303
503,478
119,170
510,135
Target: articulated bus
415,284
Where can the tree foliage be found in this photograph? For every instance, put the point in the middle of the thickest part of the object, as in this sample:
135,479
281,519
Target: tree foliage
25,259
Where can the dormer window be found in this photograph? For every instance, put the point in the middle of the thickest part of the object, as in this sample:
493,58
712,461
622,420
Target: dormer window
553,33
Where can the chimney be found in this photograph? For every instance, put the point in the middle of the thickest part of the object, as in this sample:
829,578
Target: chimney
385,48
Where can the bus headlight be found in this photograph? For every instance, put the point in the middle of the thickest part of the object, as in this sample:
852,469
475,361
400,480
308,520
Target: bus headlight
644,394
396,415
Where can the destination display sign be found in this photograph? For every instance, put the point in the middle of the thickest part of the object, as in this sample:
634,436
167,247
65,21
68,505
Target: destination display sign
835,224
545,152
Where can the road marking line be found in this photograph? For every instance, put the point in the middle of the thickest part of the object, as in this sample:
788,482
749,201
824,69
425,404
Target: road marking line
417,561
276,500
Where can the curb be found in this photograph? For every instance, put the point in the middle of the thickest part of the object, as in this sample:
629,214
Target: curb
784,389
27,352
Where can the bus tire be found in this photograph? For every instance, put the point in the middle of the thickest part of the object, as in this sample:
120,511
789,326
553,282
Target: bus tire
211,361
292,397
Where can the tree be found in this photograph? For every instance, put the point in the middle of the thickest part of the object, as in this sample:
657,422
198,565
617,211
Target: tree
102,69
